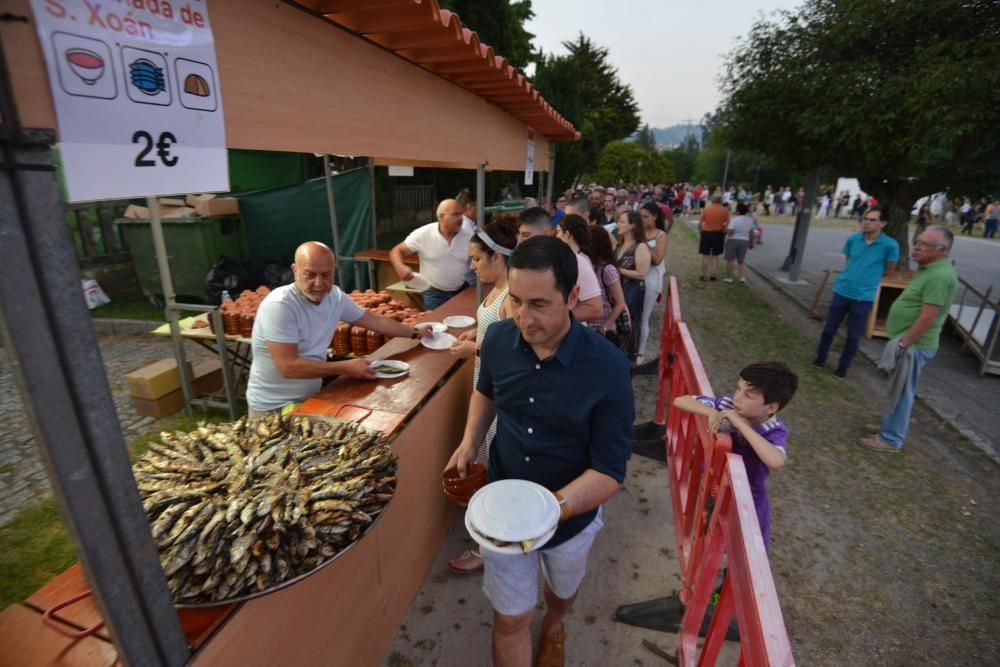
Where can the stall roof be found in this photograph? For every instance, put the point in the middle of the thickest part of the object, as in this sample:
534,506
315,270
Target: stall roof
436,40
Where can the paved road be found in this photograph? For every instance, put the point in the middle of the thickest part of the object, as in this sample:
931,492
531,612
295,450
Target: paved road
950,385
22,477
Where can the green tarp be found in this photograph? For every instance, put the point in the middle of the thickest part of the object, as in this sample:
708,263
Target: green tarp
278,220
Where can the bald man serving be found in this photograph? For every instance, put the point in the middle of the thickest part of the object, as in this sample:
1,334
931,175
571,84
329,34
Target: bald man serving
293,329
443,248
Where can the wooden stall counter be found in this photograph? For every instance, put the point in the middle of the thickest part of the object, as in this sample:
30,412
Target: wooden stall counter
347,613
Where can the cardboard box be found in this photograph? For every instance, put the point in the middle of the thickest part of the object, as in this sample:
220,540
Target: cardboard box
218,206
134,212
207,377
155,380
170,202
194,200
160,407
176,212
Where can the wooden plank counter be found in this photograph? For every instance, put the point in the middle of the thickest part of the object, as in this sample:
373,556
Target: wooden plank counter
347,613
384,273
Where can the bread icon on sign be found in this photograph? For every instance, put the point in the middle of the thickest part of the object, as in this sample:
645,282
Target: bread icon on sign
196,85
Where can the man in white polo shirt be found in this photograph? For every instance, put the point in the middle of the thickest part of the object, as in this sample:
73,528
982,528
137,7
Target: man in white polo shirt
293,330
443,248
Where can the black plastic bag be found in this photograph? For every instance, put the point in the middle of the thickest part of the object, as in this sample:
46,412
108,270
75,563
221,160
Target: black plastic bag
276,272
227,275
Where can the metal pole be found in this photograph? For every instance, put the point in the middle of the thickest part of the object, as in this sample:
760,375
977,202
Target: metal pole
552,172
332,205
371,174
812,185
541,185
169,298
480,217
725,173
56,361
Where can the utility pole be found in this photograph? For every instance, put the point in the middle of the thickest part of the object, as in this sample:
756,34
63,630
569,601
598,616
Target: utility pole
725,173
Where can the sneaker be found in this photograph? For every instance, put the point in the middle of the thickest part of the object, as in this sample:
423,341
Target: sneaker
743,280
727,280
840,373
878,444
818,363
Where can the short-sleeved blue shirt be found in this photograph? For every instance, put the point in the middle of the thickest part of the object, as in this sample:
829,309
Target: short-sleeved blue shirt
865,265
557,417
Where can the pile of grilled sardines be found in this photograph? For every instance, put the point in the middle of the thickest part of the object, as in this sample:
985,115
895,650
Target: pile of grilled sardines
238,508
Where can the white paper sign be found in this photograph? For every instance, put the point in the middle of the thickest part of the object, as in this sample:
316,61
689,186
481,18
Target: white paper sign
529,164
135,85
395,170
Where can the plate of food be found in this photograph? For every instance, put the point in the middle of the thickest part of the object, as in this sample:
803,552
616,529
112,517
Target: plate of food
440,341
512,516
418,282
390,369
459,321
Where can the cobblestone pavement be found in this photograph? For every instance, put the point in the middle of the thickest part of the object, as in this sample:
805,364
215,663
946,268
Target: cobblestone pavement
23,480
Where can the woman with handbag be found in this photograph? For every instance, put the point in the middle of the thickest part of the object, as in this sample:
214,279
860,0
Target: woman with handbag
614,323
634,259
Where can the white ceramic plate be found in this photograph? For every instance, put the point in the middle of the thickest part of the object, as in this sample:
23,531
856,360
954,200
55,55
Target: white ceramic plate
390,369
441,341
459,321
436,327
418,282
513,510
514,547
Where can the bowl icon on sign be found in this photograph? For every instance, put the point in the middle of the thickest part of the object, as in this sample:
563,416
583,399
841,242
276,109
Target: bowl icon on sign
86,64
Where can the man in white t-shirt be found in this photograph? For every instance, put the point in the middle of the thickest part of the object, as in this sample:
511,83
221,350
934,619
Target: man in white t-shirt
293,330
443,248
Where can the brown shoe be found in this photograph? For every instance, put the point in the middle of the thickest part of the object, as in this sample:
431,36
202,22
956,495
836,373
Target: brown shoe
552,650
878,444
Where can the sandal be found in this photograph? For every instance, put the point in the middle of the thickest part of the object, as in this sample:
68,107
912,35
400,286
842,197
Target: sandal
467,563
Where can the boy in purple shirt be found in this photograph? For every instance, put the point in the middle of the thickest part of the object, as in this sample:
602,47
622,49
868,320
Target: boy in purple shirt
748,415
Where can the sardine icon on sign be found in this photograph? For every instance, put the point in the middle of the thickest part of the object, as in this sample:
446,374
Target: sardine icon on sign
146,76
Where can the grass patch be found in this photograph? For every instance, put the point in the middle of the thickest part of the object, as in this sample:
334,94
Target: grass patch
35,546
128,308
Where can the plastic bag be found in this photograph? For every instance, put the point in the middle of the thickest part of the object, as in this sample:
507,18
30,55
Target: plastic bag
93,294
275,273
227,275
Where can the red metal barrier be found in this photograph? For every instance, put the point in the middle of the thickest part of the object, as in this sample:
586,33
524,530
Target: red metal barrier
671,318
694,459
748,588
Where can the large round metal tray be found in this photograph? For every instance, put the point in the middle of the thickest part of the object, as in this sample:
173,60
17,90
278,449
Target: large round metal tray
294,580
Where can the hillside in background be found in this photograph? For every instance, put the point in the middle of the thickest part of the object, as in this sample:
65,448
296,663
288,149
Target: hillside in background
675,134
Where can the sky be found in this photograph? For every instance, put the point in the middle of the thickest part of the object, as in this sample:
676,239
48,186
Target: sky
670,52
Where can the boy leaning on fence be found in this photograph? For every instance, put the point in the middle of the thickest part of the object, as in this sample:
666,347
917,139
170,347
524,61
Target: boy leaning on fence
749,415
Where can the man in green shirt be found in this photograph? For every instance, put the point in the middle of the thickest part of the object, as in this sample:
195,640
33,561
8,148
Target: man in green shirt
915,319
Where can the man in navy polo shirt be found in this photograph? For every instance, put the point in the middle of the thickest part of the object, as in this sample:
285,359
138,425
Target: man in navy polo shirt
869,253
563,400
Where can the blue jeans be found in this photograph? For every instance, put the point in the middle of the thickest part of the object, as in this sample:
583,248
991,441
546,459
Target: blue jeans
856,313
896,420
434,298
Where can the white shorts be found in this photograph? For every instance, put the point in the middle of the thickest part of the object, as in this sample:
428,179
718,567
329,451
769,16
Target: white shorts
510,581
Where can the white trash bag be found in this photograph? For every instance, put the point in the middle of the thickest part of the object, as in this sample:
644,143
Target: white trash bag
93,294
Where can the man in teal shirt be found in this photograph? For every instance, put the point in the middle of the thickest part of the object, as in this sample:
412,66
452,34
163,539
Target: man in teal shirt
914,324
869,253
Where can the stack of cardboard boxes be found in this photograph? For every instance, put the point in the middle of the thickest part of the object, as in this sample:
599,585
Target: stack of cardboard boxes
156,388
191,206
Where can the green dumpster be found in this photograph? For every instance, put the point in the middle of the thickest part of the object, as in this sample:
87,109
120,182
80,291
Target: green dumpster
193,246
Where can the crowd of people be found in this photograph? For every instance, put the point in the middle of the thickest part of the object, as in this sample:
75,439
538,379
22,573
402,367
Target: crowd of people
567,313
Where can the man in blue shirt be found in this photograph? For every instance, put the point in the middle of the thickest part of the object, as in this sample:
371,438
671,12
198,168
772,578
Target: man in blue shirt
869,253
564,405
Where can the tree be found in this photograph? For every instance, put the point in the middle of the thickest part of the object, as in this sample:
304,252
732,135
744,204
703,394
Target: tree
645,138
629,162
584,87
684,157
900,94
500,24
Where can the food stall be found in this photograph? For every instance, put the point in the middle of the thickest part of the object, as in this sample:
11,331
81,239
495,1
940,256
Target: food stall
401,81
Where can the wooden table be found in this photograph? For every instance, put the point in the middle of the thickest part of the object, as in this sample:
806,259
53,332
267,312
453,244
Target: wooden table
889,288
238,351
380,269
347,613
